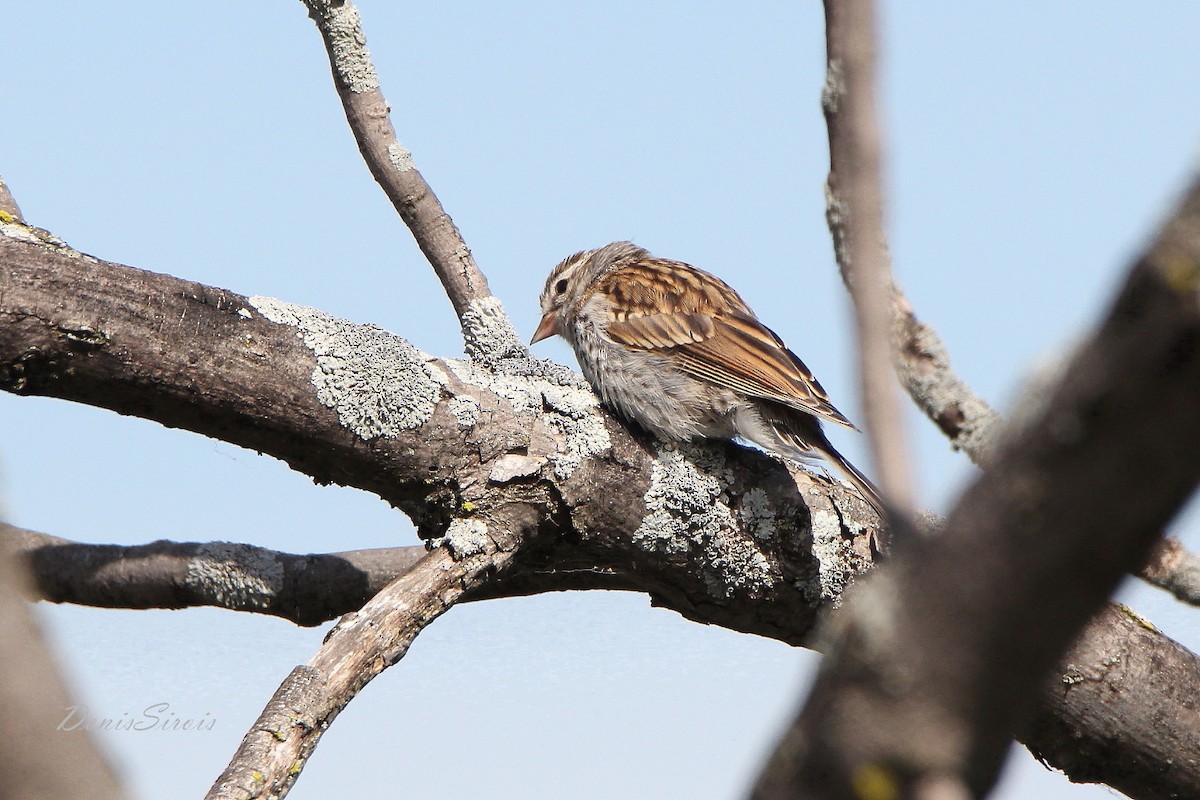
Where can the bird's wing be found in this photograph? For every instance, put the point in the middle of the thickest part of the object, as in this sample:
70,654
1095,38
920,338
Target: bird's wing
712,333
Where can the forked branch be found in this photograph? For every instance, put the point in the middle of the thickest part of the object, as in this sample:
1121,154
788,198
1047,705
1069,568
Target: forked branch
360,647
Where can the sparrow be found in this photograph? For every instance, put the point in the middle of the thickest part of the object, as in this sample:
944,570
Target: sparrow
677,351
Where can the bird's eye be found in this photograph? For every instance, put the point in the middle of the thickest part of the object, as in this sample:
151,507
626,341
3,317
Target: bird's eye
561,286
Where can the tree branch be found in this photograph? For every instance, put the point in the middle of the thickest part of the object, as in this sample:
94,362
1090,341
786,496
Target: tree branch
722,533
1120,649
361,646
1172,568
919,356
486,328
923,364
307,589
854,211
938,660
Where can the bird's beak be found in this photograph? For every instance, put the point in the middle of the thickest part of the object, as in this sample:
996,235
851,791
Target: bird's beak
546,328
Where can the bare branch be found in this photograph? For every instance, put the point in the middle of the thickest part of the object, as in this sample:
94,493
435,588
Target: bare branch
939,657
487,329
854,210
923,364
358,648
307,589
1154,744
39,761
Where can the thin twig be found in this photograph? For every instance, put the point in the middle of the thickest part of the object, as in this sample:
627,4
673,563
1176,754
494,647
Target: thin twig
855,214
923,363
360,647
392,166
1174,569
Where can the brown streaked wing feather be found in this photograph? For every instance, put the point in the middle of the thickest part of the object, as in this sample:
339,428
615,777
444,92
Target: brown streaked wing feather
660,331
712,332
746,356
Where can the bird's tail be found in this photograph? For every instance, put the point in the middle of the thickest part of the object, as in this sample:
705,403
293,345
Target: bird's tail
861,482
798,436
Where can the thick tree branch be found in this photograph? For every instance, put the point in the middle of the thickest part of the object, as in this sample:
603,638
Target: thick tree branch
487,330
854,211
361,646
939,657
1120,649
723,534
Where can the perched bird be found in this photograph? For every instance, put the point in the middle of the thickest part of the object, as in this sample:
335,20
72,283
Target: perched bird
678,352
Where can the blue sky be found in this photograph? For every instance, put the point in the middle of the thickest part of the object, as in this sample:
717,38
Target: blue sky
1031,149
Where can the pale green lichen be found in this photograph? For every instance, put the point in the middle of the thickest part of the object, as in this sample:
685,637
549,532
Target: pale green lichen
1072,675
832,551
378,383
1137,618
401,157
235,576
687,505
874,781
465,410
488,334
565,403
467,537
758,516
347,44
